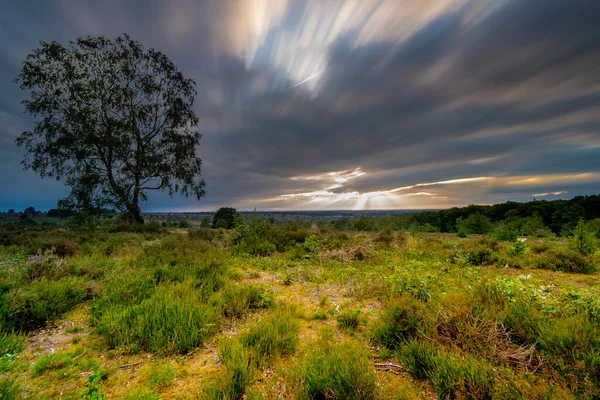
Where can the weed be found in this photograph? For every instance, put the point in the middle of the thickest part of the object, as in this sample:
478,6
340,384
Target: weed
92,388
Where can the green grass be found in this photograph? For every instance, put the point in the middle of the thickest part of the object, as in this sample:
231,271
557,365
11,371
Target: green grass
51,362
174,319
161,375
336,370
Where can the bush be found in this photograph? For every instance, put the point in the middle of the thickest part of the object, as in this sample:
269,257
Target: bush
461,234
399,322
481,256
337,371
65,248
566,260
505,233
476,223
583,240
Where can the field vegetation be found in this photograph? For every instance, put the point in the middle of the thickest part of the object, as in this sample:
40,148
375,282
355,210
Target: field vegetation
300,311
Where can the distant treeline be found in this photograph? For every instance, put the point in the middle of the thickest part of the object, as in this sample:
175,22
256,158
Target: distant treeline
558,216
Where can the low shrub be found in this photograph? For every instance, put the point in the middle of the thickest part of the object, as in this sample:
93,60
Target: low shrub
398,322
482,256
523,321
561,259
203,234
64,248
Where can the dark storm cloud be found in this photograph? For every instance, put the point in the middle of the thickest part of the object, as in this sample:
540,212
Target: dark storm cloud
496,89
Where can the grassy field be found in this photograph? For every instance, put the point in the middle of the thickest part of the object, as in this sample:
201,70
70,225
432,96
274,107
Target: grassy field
290,312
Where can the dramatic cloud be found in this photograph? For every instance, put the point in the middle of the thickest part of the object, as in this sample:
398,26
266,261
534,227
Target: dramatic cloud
310,104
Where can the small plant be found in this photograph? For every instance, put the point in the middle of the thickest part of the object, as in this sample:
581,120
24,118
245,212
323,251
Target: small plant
92,388
74,329
461,234
583,240
518,248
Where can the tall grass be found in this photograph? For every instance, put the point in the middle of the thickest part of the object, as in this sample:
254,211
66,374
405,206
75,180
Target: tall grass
173,320
336,370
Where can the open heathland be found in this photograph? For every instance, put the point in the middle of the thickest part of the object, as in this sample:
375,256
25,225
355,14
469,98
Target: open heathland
290,311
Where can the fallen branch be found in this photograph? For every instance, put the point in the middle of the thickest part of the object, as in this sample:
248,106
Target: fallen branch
76,357
130,365
388,365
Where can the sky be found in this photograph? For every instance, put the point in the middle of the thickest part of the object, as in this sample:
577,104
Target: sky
356,104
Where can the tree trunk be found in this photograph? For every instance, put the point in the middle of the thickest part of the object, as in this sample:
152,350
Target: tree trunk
136,213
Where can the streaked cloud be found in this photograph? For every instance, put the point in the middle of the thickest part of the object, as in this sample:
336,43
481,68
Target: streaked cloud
353,103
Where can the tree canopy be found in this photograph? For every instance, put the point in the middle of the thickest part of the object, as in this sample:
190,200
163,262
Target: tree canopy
224,218
113,120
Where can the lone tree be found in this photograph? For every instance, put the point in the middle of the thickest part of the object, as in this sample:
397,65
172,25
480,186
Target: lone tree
113,120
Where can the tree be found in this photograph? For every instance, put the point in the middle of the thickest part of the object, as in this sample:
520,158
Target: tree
227,214
113,120
475,223
29,210
205,223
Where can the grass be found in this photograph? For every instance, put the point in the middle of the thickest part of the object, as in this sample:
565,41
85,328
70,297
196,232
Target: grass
336,370
296,312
